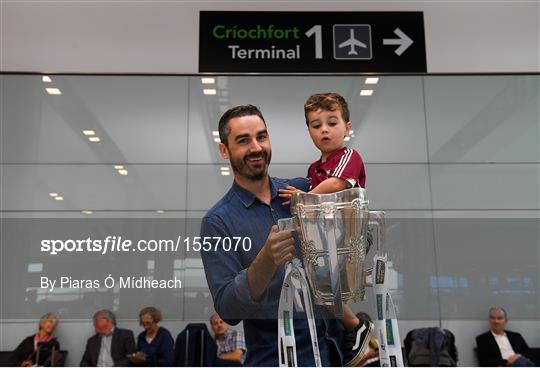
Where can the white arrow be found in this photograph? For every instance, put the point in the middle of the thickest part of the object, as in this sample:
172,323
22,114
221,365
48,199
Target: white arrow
403,41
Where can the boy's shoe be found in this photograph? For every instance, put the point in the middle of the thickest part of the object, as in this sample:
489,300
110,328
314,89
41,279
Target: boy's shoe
356,343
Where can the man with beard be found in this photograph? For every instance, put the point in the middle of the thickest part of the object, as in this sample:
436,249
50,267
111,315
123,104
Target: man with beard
246,282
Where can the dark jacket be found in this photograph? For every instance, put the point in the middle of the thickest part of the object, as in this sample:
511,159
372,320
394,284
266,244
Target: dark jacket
489,354
122,344
25,351
160,351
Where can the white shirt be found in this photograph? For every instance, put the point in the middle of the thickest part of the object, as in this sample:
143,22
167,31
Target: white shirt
104,358
504,345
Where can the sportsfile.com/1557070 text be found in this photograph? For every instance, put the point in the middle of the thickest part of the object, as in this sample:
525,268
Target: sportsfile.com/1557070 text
115,243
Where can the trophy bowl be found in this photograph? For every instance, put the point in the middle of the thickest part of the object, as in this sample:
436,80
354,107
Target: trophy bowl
333,232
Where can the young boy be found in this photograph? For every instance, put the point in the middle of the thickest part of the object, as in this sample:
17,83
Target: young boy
339,168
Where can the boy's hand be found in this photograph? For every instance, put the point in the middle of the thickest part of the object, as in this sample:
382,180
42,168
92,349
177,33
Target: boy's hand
288,192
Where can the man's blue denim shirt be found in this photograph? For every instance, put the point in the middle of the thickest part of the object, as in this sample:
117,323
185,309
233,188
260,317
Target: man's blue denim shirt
239,213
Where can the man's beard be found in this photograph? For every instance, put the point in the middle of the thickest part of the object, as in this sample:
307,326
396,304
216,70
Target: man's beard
241,167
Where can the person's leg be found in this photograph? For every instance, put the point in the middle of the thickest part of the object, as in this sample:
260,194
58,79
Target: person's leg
522,362
349,320
356,337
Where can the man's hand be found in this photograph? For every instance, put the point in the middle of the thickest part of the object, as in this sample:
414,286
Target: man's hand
288,192
513,358
235,355
279,247
278,250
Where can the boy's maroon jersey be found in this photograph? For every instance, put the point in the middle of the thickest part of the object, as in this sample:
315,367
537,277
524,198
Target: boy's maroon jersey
345,164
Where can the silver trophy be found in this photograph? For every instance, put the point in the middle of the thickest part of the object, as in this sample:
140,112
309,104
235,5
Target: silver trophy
334,242
334,236
333,232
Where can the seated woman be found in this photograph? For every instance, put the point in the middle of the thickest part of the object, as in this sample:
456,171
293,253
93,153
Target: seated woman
155,344
42,348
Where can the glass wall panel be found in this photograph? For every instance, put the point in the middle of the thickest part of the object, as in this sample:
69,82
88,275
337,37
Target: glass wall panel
453,160
487,119
381,133
484,262
138,119
483,136
93,187
485,186
36,252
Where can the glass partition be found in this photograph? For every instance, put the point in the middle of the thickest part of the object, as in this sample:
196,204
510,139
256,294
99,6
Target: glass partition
453,160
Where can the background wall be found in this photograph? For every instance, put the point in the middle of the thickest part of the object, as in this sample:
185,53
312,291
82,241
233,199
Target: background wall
162,36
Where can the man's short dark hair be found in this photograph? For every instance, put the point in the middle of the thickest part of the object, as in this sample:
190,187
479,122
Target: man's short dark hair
328,101
235,112
107,314
498,309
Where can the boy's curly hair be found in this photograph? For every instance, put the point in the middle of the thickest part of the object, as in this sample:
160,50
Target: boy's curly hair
329,101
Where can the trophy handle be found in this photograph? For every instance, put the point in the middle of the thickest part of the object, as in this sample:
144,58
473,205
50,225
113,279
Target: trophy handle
376,219
367,277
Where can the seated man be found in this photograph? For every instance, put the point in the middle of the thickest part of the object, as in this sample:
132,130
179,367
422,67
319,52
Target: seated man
110,346
231,346
499,347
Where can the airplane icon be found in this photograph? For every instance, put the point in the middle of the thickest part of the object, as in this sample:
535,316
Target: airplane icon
352,43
